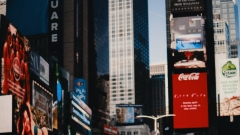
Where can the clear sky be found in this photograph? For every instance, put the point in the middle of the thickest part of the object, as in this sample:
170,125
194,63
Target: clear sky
157,31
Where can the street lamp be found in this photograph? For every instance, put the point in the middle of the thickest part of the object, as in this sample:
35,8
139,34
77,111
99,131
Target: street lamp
155,119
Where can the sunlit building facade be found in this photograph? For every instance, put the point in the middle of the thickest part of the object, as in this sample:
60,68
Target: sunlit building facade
228,10
128,52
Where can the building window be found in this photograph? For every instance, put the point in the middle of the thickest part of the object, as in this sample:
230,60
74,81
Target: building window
135,133
122,133
129,133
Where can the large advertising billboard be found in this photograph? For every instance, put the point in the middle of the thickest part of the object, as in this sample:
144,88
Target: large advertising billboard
182,6
188,42
16,81
127,114
42,101
190,100
228,73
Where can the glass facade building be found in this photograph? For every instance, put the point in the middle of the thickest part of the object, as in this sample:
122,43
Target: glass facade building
128,52
98,63
228,10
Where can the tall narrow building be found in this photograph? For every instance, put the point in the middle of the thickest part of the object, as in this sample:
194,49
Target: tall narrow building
128,53
228,10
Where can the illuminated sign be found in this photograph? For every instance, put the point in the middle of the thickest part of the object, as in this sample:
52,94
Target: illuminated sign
180,6
188,45
126,113
190,100
79,113
80,89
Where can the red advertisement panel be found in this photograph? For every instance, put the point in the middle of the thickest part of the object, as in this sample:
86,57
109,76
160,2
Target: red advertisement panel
190,100
110,130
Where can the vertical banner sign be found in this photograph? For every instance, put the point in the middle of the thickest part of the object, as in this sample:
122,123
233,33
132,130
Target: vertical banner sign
190,100
80,89
56,27
229,86
41,105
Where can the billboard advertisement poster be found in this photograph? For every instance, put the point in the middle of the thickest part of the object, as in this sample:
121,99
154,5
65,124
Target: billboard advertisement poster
188,42
190,100
126,113
229,86
41,106
181,6
15,68
80,89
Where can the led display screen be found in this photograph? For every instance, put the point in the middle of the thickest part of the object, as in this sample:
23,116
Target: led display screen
181,6
126,113
190,100
188,45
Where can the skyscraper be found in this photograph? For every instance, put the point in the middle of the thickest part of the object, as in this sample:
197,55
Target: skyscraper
228,10
128,52
98,64
158,104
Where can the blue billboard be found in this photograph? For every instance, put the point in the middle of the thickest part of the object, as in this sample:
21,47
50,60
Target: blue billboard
80,89
191,41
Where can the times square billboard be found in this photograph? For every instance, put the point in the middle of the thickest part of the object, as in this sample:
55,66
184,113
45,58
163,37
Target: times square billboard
188,45
190,100
227,84
183,6
28,115
127,114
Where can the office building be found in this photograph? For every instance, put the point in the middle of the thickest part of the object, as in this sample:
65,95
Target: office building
128,53
133,130
228,10
98,64
158,104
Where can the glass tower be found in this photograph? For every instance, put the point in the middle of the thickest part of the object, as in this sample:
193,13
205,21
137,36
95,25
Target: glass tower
128,52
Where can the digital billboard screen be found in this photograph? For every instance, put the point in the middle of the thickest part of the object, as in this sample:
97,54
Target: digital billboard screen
188,45
182,6
228,74
190,100
127,113
80,89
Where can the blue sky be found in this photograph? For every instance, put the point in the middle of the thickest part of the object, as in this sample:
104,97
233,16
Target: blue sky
157,31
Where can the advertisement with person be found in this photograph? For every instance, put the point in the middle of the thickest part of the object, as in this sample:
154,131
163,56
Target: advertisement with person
41,106
188,42
16,78
229,86
182,6
127,113
190,100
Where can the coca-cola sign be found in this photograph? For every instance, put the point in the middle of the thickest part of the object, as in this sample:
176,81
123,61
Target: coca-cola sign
186,77
190,100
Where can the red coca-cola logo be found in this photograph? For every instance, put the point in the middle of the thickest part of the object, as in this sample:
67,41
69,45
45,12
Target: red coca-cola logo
186,77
